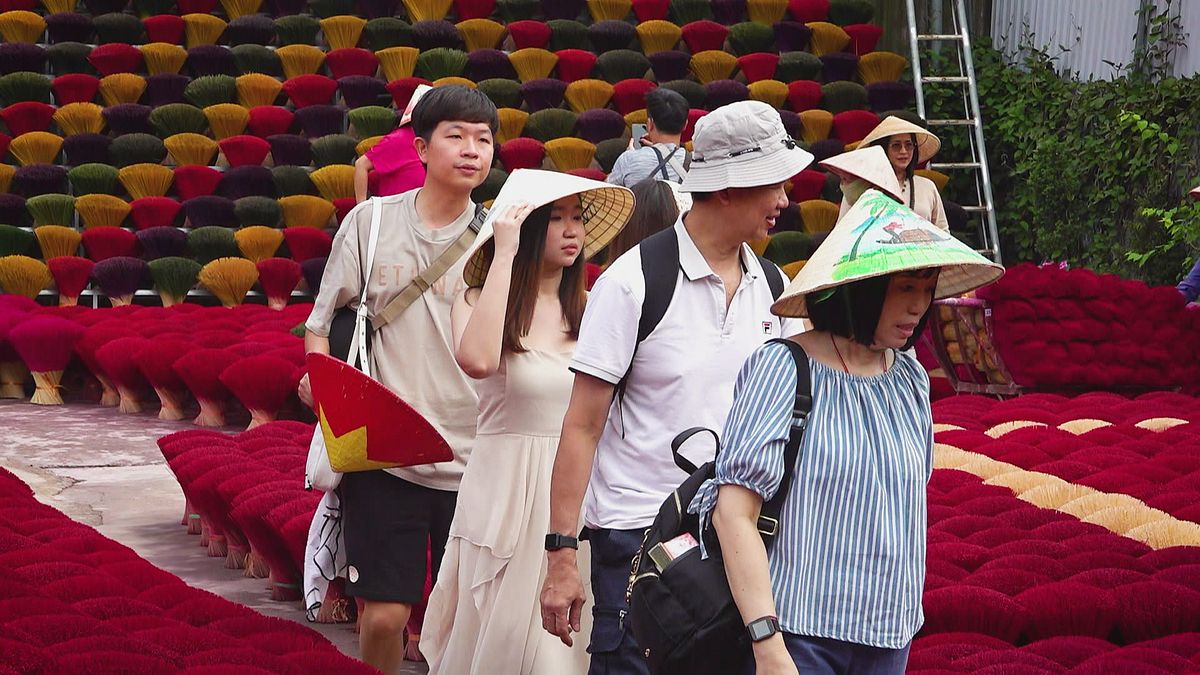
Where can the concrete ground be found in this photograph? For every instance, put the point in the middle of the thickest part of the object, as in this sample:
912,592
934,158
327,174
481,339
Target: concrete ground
103,468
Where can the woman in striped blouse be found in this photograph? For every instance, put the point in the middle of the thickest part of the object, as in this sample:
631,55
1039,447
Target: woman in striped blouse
840,589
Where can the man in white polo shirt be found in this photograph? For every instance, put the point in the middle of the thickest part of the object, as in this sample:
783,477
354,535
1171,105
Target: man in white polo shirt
679,376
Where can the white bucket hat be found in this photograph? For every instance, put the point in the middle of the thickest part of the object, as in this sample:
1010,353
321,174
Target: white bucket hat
606,209
879,236
742,145
420,91
868,164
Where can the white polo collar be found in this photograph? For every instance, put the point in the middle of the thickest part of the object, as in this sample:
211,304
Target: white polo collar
696,267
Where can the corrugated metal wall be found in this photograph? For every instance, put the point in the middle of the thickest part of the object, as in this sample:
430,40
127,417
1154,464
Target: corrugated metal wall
1187,62
1086,33
1083,33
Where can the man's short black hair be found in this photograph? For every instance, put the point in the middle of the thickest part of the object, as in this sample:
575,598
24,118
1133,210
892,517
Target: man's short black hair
452,103
668,109
852,310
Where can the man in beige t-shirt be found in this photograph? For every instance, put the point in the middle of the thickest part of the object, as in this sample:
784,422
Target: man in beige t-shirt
388,516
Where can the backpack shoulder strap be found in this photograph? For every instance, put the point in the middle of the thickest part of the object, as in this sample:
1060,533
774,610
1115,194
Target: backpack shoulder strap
774,276
659,255
768,518
660,269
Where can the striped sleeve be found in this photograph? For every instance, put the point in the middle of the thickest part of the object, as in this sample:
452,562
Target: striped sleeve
756,431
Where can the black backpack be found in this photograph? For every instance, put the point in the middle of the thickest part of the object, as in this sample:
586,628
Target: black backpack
683,616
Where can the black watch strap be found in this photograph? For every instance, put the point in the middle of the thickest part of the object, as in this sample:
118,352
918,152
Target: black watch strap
555,541
761,629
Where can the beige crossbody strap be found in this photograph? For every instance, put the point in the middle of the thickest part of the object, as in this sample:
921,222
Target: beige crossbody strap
432,273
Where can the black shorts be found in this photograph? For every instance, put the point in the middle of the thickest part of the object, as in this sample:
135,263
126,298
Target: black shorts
387,522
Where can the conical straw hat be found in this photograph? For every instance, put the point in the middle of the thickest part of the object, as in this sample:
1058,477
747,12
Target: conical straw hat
927,144
606,209
867,163
365,425
879,236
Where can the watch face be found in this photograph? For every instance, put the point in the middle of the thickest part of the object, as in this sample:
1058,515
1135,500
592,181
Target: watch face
761,629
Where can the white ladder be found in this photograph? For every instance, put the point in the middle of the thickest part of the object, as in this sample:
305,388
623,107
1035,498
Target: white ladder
959,41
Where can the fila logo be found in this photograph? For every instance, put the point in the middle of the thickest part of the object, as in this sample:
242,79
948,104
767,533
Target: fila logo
767,326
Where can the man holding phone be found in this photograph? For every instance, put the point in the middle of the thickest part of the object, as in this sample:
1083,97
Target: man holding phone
656,152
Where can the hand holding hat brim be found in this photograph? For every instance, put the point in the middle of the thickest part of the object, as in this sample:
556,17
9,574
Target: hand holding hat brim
606,210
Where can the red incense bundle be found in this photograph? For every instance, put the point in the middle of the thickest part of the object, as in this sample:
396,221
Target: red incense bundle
118,358
155,360
278,278
13,372
46,345
71,275
95,337
201,371
263,384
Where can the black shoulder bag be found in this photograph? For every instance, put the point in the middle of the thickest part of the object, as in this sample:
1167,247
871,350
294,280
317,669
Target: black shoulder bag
683,614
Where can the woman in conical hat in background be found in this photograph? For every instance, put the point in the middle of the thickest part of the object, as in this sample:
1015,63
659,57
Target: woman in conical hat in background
846,569
515,328
908,146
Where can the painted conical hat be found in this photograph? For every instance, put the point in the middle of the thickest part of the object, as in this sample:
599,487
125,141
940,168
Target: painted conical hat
879,236
365,425
870,164
606,209
927,143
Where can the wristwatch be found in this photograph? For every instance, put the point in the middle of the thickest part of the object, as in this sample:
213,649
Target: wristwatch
761,629
555,541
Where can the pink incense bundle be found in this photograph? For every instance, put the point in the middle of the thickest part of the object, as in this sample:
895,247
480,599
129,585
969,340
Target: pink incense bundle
71,275
270,553
95,337
245,349
201,371
229,491
13,372
46,345
118,358
203,495
294,354
263,384
155,360
286,583
216,339
278,278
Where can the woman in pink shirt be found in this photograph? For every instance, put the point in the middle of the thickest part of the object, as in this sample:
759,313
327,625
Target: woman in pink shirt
394,158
